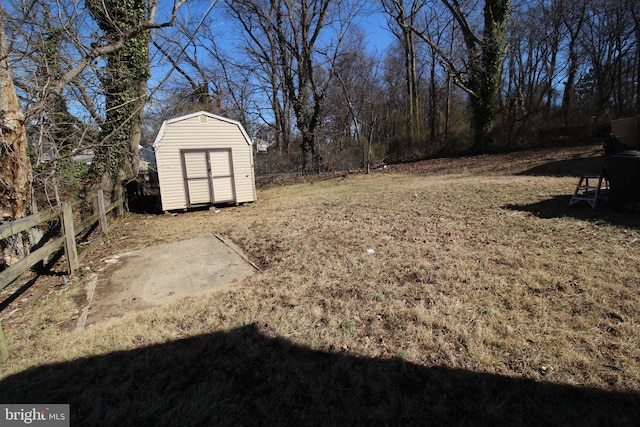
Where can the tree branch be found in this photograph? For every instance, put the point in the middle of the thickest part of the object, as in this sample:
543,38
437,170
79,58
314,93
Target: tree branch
98,50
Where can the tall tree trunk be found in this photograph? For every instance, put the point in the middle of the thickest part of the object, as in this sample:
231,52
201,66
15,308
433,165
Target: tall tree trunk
404,16
15,169
489,76
637,103
551,73
124,83
411,83
573,24
569,87
635,13
447,113
433,98
485,57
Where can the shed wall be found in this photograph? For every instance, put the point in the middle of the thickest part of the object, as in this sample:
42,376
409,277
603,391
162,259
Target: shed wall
209,134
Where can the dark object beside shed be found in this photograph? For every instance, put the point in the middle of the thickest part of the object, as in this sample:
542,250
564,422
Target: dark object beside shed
623,171
622,164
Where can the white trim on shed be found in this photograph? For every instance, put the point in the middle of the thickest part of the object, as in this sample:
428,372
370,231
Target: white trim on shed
204,159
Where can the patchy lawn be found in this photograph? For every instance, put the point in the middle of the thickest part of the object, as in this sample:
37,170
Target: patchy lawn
450,291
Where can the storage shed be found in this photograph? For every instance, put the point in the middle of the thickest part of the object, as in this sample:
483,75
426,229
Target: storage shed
204,159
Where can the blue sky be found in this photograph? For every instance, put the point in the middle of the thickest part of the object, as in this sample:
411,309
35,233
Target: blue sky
378,35
373,23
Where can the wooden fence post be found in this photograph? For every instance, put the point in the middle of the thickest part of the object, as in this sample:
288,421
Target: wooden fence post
121,202
103,212
4,350
70,238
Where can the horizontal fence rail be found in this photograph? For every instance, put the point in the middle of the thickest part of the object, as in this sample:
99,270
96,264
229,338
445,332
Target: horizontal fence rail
67,240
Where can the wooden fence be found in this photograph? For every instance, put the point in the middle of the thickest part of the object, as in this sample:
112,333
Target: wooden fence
67,240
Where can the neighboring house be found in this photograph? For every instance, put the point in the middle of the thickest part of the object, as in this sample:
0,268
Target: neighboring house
84,156
204,159
261,145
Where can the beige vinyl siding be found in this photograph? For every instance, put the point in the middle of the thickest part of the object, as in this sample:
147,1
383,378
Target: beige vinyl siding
214,135
199,192
243,175
222,179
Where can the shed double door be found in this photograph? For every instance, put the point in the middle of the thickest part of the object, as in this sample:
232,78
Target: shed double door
208,176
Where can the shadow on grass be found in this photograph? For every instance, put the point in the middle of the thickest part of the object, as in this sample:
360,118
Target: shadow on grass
245,378
558,207
569,167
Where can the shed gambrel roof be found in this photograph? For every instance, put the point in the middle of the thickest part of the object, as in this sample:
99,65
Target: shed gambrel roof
156,142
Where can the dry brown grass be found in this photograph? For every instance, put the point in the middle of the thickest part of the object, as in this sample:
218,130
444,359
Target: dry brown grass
486,300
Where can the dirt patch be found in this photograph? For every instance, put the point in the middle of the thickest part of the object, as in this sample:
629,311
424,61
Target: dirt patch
157,275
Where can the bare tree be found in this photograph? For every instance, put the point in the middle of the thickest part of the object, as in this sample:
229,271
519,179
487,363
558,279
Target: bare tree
353,101
442,32
58,59
552,23
573,18
481,76
258,23
125,24
609,43
531,57
207,79
403,17
300,42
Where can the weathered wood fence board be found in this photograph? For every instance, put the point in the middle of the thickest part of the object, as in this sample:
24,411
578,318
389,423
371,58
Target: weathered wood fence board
70,248
23,224
4,351
67,240
103,215
87,223
13,272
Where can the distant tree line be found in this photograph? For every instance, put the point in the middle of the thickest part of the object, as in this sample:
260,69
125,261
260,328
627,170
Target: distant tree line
97,78
459,77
